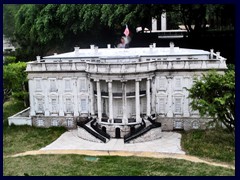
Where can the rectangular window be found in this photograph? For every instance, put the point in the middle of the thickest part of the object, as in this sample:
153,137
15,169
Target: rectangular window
38,85
178,84
40,123
70,122
40,105
162,83
178,105
53,85
83,86
55,122
67,84
83,104
68,105
178,124
54,105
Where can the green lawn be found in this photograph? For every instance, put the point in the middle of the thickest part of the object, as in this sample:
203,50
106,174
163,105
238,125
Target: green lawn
209,144
218,145
18,139
76,165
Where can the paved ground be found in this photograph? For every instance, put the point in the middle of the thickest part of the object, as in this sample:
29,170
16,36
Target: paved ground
166,147
169,143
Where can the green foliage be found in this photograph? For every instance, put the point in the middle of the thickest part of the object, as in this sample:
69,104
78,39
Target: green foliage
214,96
15,81
42,29
216,144
76,165
9,60
9,11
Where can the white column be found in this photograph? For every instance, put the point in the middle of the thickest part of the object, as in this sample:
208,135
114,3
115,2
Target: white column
31,98
148,97
92,98
137,101
99,101
169,91
153,82
110,98
60,91
124,102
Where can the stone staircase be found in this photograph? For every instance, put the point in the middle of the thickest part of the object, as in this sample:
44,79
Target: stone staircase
91,132
150,131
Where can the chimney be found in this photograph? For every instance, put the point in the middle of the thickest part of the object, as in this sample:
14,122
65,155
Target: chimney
96,49
109,46
150,47
38,59
76,50
92,46
211,53
171,44
55,54
154,45
218,55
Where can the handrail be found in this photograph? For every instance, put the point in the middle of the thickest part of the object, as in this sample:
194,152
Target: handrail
106,135
141,132
96,135
103,93
143,125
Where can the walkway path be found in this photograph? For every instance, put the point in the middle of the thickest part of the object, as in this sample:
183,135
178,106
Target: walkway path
169,143
166,147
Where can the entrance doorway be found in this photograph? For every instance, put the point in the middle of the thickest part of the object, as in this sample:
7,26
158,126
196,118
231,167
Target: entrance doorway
117,133
104,129
132,130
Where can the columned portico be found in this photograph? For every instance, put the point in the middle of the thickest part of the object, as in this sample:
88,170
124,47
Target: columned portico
137,100
99,101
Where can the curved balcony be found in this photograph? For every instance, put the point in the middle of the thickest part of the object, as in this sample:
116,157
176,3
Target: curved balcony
106,121
119,94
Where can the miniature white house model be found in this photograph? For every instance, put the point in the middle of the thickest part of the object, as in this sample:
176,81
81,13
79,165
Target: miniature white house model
118,87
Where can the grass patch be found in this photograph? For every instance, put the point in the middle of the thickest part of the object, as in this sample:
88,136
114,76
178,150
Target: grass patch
18,139
218,145
76,165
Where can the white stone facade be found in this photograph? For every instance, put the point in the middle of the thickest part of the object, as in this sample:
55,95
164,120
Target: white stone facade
118,86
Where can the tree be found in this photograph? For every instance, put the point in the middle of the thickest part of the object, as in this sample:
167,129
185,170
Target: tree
42,29
15,82
214,95
9,11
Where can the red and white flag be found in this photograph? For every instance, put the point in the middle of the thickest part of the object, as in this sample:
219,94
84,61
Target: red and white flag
126,31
